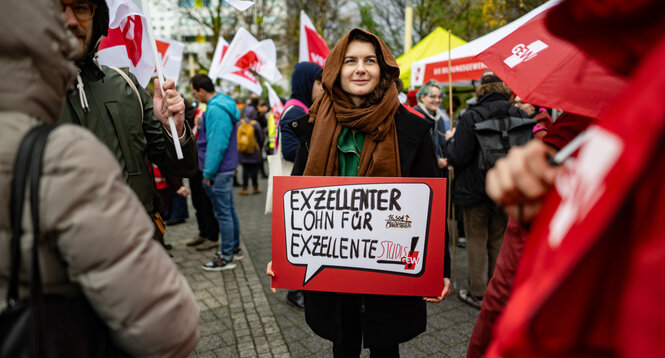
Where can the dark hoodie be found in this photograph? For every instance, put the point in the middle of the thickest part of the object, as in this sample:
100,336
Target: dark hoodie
302,82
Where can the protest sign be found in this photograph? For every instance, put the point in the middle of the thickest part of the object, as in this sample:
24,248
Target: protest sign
359,234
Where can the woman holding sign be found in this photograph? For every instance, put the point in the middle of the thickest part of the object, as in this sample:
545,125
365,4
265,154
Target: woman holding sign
358,127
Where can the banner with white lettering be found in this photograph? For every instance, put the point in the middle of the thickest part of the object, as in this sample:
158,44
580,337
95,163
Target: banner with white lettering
359,234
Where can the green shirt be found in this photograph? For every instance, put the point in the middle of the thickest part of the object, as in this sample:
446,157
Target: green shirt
350,145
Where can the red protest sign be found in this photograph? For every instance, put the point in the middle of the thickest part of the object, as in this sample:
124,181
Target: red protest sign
359,234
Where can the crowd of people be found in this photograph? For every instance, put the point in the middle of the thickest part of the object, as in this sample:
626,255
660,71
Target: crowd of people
537,226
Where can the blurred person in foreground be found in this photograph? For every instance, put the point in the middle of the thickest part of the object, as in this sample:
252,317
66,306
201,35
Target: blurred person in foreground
590,281
561,132
99,241
372,135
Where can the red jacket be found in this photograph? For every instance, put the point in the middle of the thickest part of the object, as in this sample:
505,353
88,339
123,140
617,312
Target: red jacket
592,278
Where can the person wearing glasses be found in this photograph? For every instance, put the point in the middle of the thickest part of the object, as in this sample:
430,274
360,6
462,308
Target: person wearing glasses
106,104
429,104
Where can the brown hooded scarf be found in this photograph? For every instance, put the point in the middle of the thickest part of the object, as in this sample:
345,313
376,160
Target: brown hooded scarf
334,109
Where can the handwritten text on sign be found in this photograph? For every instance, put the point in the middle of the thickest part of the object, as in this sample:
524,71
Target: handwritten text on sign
362,227
359,234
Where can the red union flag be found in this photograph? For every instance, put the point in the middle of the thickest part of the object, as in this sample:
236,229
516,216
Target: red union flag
247,53
542,68
276,106
242,77
127,42
170,52
312,46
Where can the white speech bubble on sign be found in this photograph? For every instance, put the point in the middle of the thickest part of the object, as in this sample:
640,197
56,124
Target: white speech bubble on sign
369,227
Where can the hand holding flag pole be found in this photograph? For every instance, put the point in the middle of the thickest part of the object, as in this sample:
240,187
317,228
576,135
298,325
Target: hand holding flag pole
160,75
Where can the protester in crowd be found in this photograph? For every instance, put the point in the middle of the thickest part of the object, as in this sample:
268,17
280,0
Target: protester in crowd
264,117
484,222
412,98
359,109
305,88
565,129
250,110
539,114
208,235
429,103
106,104
218,150
251,161
98,241
177,195
606,202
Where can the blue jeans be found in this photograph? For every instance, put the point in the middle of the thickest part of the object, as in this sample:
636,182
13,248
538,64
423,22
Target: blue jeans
221,196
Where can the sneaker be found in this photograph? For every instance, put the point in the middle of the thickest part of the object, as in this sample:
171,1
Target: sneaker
237,254
218,264
197,240
466,297
461,242
207,245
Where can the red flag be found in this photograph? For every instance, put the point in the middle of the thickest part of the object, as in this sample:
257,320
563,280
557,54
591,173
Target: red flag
242,76
170,52
127,42
312,46
547,71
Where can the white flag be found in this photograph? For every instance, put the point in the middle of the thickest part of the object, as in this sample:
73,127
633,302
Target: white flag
246,52
276,105
312,46
127,43
170,52
215,64
242,77
240,5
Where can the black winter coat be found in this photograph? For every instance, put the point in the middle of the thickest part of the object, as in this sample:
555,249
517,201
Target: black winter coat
385,320
463,152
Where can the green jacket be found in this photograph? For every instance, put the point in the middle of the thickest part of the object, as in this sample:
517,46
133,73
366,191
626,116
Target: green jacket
115,119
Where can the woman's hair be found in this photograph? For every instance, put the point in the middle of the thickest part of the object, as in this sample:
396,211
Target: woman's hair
493,87
426,89
387,76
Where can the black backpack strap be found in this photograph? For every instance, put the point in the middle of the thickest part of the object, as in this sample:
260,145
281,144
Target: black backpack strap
27,167
484,112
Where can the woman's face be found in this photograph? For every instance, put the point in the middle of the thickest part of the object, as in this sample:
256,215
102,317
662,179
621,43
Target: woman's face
433,100
360,70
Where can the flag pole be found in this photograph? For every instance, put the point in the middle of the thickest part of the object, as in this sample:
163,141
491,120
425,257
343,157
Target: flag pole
160,74
451,172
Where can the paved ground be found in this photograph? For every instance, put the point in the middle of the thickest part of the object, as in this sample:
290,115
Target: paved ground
241,317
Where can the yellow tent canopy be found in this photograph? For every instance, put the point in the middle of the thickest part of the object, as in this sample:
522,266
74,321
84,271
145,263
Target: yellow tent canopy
434,43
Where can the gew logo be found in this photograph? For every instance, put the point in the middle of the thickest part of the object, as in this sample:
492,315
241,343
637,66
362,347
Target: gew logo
522,53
